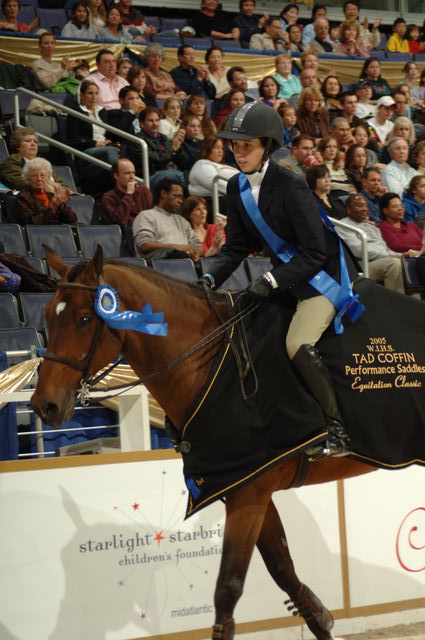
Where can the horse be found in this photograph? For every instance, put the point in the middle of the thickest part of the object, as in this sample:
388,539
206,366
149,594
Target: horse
80,342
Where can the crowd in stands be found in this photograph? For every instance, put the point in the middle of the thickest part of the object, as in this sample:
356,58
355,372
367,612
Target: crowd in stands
360,148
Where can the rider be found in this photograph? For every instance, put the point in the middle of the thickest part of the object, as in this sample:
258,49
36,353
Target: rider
266,193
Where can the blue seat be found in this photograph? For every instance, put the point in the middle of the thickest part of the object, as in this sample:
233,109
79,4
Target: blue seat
181,269
19,339
173,23
166,41
83,207
65,174
398,56
52,19
57,237
9,316
12,238
227,44
109,236
153,21
4,152
137,262
33,305
200,43
36,263
256,267
236,282
7,103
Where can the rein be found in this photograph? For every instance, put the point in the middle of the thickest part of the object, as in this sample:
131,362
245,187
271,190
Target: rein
87,383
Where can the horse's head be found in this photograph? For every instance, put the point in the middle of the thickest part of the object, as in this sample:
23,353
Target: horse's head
79,342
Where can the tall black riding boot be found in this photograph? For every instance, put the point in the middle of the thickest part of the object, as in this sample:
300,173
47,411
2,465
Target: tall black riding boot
315,375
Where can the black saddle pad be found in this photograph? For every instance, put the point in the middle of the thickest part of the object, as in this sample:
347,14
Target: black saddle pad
378,368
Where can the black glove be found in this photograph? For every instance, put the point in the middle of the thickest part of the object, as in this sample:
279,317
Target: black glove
206,280
258,291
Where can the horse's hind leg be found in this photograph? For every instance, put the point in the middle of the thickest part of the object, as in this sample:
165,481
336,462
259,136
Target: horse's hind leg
274,550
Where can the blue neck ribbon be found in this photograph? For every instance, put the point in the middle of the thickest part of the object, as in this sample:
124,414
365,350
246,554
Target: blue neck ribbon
341,295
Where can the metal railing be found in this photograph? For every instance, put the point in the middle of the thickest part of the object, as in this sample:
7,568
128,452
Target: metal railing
80,154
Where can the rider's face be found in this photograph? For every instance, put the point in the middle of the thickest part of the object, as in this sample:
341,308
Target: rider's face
248,154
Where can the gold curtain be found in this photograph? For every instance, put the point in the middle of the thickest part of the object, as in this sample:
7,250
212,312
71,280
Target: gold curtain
18,376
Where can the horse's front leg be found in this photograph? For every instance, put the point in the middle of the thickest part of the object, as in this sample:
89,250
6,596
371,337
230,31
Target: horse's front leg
245,512
273,546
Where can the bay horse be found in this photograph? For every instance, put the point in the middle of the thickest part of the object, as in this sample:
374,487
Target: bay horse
81,343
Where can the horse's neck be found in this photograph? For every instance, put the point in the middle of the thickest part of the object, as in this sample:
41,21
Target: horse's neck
189,319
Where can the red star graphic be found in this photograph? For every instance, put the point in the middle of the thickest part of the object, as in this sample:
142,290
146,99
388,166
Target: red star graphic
135,506
159,537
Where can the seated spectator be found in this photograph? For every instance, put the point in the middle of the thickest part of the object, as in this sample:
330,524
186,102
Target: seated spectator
137,80
412,37
11,9
124,202
79,25
289,120
123,67
310,61
107,80
319,180
403,128
333,160
171,123
217,71
411,74
115,30
301,157
271,39
384,264
289,15
97,13
24,143
211,236
364,107
308,78
400,235
361,137
48,72
190,78
414,198
355,165
234,99
188,152
247,22
132,17
371,72
381,125
196,105
10,282
237,79
350,43
348,101
159,83
268,89
312,117
161,232
352,13
341,130
212,21
209,165
288,83
401,104
397,174
317,11
397,43
43,201
126,117
418,158
321,43
372,190
294,39
331,90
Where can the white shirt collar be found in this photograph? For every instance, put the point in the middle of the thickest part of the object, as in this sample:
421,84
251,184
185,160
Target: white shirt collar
255,179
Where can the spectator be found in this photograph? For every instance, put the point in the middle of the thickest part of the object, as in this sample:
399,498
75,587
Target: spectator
247,22
127,117
237,79
294,39
289,15
107,80
137,80
271,39
412,37
123,67
352,14
411,75
414,198
196,105
212,21
217,71
372,190
348,100
11,9
46,71
308,78
350,43
234,99
97,13
289,84
397,43
317,11
124,202
207,167
312,117
384,264
418,157
361,137
188,152
342,131
400,235
401,107
268,89
115,30
159,83
161,232
24,144
319,180
79,25
355,165
301,156
321,42
211,236
371,72
364,107
381,124
171,123
403,128
132,17
190,78
331,90
43,201
397,174
329,150
289,120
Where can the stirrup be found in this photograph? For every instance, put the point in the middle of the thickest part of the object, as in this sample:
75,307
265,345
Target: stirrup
317,452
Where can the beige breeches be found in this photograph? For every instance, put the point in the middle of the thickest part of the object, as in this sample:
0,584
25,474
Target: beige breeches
311,318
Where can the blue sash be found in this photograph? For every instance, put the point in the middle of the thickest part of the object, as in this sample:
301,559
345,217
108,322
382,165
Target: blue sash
340,295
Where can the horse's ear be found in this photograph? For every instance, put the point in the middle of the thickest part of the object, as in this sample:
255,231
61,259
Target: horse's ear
55,262
98,261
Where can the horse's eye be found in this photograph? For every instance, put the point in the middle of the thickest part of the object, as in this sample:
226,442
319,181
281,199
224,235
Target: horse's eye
84,321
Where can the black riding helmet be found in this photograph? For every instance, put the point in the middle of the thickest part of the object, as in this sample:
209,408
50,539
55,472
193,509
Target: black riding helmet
255,120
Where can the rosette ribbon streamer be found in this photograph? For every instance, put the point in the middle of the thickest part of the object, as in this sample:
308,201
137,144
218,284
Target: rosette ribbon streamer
107,303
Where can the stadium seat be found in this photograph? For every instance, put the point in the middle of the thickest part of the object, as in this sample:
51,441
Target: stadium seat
137,262
83,207
173,23
65,174
4,152
19,339
166,41
36,263
109,236
9,316
46,125
181,269
12,238
201,43
411,281
257,266
55,236
153,21
236,282
69,261
227,44
33,305
9,207
52,19
396,56
7,102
